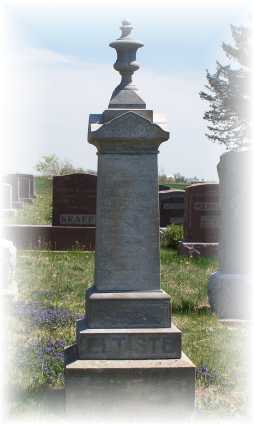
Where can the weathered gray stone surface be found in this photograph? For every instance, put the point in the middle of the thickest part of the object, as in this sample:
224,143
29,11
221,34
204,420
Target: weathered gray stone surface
133,391
124,95
140,343
235,172
109,114
127,233
230,287
6,203
128,317
229,295
23,188
129,132
151,309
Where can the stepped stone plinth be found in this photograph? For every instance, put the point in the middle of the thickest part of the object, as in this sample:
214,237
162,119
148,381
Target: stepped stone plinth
126,344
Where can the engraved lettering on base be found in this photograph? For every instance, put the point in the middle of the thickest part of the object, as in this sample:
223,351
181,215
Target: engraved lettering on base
203,206
81,219
172,206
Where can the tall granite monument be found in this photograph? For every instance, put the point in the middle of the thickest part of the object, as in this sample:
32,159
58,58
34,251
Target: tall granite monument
127,359
230,287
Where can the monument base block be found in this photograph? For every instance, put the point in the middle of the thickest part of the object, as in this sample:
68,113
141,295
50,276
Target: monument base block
130,390
229,295
202,249
150,309
125,344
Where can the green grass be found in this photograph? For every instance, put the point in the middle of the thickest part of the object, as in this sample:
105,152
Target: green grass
180,186
185,279
58,280
175,185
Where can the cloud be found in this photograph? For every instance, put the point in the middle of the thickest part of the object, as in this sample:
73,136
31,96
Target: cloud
50,96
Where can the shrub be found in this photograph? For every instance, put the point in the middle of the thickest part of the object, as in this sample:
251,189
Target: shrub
171,236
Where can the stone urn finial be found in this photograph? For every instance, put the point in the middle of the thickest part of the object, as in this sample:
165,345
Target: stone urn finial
124,96
126,28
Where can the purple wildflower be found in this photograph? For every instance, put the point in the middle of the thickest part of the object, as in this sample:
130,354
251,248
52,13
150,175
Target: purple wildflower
205,375
50,356
40,315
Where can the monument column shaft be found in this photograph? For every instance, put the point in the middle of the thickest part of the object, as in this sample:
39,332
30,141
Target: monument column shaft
127,223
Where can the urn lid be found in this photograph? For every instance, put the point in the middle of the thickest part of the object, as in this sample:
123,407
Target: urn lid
124,96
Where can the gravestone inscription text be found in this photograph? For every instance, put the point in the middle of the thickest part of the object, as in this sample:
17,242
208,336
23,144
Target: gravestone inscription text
74,200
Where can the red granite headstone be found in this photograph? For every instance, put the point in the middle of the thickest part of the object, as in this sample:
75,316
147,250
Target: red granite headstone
74,200
201,217
171,207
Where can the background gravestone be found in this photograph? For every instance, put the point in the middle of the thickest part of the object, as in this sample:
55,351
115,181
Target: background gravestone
201,219
14,181
230,288
23,188
8,286
171,207
26,187
6,206
74,200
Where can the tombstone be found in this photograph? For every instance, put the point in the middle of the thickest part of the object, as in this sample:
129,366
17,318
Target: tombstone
26,187
171,207
32,188
201,219
74,200
127,361
229,289
6,200
9,289
23,188
14,181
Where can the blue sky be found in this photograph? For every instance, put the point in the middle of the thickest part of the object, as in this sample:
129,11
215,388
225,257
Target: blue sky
59,70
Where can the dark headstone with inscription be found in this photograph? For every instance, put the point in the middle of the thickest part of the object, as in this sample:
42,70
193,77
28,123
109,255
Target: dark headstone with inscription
74,200
201,219
171,207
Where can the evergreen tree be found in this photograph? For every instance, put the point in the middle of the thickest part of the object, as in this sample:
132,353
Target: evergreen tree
229,94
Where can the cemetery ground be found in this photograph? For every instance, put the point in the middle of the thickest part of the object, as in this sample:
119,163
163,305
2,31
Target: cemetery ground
42,321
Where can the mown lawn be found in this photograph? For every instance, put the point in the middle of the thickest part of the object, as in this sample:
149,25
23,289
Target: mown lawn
42,322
